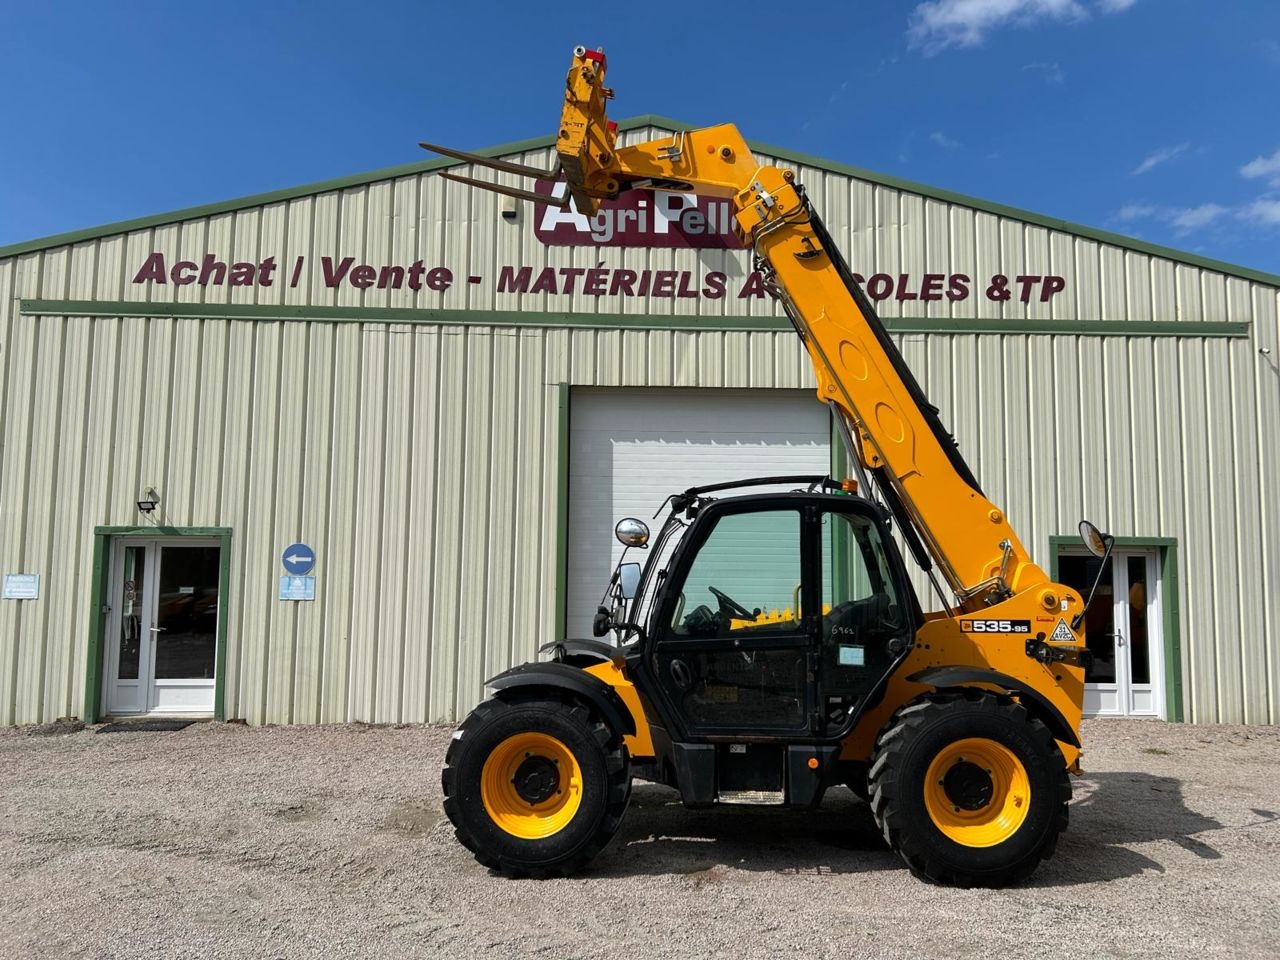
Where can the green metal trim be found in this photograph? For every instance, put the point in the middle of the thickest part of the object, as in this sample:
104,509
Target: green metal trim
1171,615
97,628
1172,631
162,531
632,123
102,537
220,648
561,599
406,315
1092,328
614,321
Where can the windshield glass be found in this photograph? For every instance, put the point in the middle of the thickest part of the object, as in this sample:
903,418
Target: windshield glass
655,568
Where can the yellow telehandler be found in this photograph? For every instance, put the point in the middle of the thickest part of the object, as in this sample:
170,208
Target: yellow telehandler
772,645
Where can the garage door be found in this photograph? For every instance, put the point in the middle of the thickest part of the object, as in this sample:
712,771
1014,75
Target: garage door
630,448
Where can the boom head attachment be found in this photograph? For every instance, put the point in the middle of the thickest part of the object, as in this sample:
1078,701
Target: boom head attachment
586,145
587,140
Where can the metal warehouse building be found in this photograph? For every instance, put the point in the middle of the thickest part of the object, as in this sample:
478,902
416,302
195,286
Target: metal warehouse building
342,452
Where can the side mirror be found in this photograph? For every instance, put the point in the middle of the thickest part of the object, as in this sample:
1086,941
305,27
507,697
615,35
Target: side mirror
629,580
632,532
1099,544
1094,539
601,622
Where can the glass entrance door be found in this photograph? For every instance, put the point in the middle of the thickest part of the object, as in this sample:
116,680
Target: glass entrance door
1123,631
162,627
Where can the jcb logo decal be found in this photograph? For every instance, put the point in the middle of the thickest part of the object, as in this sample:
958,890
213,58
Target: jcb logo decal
995,626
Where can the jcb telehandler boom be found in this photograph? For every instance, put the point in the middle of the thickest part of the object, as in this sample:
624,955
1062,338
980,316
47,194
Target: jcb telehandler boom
816,666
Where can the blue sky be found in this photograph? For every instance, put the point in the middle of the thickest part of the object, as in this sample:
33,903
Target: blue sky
1155,118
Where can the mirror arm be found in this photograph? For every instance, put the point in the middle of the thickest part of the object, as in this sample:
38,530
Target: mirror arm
633,628
1079,617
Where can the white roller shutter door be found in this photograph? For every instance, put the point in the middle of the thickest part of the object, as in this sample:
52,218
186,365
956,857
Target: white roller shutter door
630,448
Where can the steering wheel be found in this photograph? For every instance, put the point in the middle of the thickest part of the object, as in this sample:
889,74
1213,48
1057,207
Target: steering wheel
731,607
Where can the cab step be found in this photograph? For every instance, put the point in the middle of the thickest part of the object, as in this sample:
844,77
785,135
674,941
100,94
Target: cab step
752,797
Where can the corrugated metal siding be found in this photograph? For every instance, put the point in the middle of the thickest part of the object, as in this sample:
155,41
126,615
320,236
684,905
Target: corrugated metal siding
421,461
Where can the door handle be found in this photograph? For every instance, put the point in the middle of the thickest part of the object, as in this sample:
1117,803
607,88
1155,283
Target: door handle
681,675
159,629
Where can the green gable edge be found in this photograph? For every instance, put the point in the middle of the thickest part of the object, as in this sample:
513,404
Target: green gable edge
666,123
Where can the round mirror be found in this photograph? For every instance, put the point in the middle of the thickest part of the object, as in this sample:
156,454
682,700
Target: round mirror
631,532
1094,539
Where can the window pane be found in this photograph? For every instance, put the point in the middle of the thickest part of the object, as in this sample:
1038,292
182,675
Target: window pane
854,566
743,689
861,609
753,559
131,601
188,613
1139,658
1078,572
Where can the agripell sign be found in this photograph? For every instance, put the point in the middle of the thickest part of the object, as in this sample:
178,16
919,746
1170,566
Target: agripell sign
638,218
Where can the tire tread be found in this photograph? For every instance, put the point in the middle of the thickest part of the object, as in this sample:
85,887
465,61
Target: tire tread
887,789
618,792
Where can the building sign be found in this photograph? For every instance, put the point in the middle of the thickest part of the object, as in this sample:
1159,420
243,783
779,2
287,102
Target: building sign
22,586
297,588
637,218
596,281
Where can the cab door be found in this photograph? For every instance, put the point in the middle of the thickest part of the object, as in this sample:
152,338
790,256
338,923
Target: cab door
869,614
735,635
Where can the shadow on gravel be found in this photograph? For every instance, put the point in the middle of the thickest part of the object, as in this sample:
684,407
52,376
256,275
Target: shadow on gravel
1110,810
660,837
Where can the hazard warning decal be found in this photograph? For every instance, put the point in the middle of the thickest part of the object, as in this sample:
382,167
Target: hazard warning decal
1062,633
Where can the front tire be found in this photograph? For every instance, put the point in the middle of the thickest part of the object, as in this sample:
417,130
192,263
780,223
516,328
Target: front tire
535,788
969,789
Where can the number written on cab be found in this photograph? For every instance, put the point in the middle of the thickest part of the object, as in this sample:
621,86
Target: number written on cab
995,626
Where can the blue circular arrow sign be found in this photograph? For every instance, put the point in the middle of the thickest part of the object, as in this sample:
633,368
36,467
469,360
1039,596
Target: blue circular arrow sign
298,559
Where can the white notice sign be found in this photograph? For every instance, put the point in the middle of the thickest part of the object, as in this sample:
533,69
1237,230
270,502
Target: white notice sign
22,586
297,588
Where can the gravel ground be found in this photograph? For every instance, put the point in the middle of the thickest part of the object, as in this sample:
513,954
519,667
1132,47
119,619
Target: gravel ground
231,841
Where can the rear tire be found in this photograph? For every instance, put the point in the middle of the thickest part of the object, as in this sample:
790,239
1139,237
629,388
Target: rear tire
969,789
535,788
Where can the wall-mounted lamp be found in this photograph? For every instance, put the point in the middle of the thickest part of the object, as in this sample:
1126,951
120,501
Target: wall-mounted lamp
509,208
150,500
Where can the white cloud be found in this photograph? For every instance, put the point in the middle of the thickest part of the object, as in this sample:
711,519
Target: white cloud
1052,72
1266,212
1163,155
942,140
1184,220
1187,219
1136,211
938,24
1268,167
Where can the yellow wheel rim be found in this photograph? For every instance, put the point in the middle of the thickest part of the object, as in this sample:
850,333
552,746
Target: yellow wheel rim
977,792
531,785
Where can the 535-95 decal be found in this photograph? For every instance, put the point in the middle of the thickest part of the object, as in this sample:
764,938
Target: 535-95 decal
995,626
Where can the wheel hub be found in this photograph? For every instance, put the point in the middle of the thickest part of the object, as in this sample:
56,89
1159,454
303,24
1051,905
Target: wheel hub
968,786
536,779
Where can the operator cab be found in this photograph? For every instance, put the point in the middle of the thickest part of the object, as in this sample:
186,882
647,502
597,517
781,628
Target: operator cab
764,618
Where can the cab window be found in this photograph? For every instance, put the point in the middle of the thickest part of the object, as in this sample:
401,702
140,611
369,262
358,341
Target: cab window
861,608
746,576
